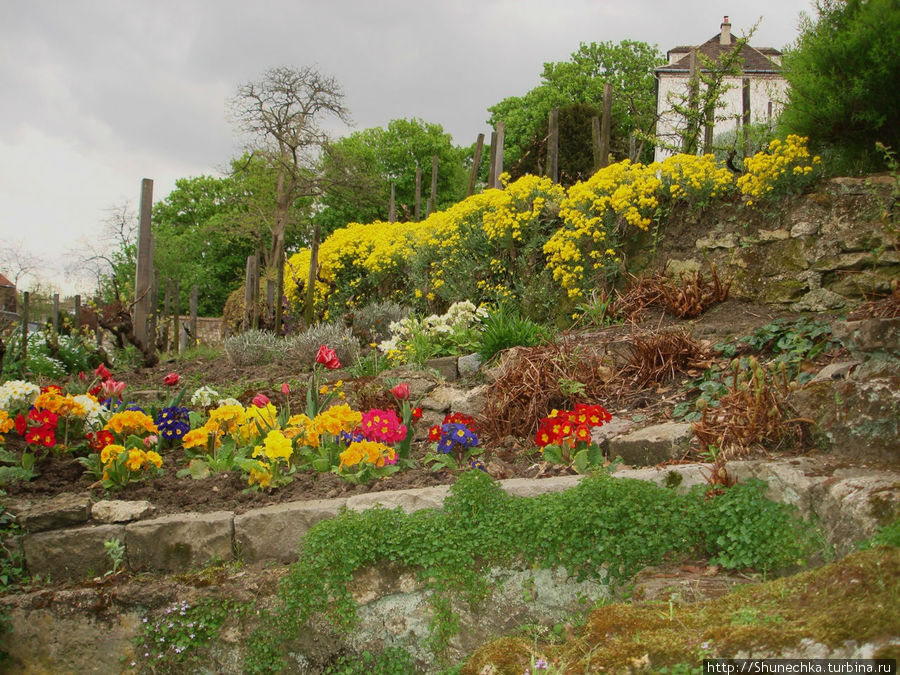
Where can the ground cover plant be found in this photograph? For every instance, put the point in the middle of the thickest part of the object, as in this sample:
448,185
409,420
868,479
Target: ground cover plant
604,527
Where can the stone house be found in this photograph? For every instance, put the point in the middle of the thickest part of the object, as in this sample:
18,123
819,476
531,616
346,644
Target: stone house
761,70
8,304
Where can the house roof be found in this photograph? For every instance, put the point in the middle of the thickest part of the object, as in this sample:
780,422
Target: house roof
6,282
756,59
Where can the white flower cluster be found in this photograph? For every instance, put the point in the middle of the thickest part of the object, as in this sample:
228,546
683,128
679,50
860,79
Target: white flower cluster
95,414
204,396
18,395
459,316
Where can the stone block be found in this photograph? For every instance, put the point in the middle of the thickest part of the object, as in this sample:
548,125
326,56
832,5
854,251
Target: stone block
527,487
179,542
652,445
445,366
121,511
408,500
62,511
681,477
467,365
273,533
74,553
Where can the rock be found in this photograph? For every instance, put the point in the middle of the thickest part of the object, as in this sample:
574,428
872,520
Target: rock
839,370
445,366
75,553
273,533
526,487
615,427
652,445
61,511
446,399
680,477
726,240
819,300
765,236
869,336
467,365
178,542
408,500
121,511
675,268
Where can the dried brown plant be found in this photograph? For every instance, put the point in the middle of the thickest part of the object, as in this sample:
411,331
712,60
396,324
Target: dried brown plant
751,414
694,295
531,381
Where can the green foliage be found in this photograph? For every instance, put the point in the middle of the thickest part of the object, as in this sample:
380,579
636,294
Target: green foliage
115,549
744,529
180,636
793,342
379,157
503,328
760,134
48,357
392,661
15,468
253,348
200,235
886,535
604,528
843,74
302,349
627,66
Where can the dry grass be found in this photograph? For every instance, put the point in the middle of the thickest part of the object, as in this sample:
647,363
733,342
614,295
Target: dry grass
886,308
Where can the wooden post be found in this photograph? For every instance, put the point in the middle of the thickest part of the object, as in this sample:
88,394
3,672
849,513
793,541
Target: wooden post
24,312
270,302
167,305
176,315
493,159
154,309
632,147
279,292
595,141
432,201
195,291
54,316
476,160
248,295
498,155
418,207
745,122
605,124
144,271
77,313
553,146
392,208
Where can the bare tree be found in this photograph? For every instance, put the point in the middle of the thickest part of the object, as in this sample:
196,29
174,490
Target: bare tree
283,113
16,261
110,259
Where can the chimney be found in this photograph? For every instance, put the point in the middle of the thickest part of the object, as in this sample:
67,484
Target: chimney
725,35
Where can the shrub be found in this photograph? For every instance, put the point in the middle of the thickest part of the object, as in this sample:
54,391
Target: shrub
302,348
253,348
843,75
503,328
372,322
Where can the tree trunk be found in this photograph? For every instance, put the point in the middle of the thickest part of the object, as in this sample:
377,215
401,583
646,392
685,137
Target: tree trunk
311,279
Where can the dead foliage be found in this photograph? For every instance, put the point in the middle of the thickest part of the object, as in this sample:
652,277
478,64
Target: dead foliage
531,381
752,413
885,308
686,298
657,357
694,295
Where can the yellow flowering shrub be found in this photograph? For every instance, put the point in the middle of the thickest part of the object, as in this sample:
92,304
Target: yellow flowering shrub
694,179
787,166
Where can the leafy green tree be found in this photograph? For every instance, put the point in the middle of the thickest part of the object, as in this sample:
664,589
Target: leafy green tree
375,158
626,66
843,74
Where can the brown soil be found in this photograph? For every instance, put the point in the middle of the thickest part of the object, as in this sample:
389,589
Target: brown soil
228,491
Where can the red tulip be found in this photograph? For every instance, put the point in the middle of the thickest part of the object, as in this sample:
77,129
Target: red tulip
260,400
328,358
171,379
102,372
286,389
401,391
112,389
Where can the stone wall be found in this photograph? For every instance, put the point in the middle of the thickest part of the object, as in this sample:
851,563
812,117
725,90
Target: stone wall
825,251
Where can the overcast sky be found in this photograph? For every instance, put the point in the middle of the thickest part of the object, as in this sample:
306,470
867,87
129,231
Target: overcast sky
97,94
